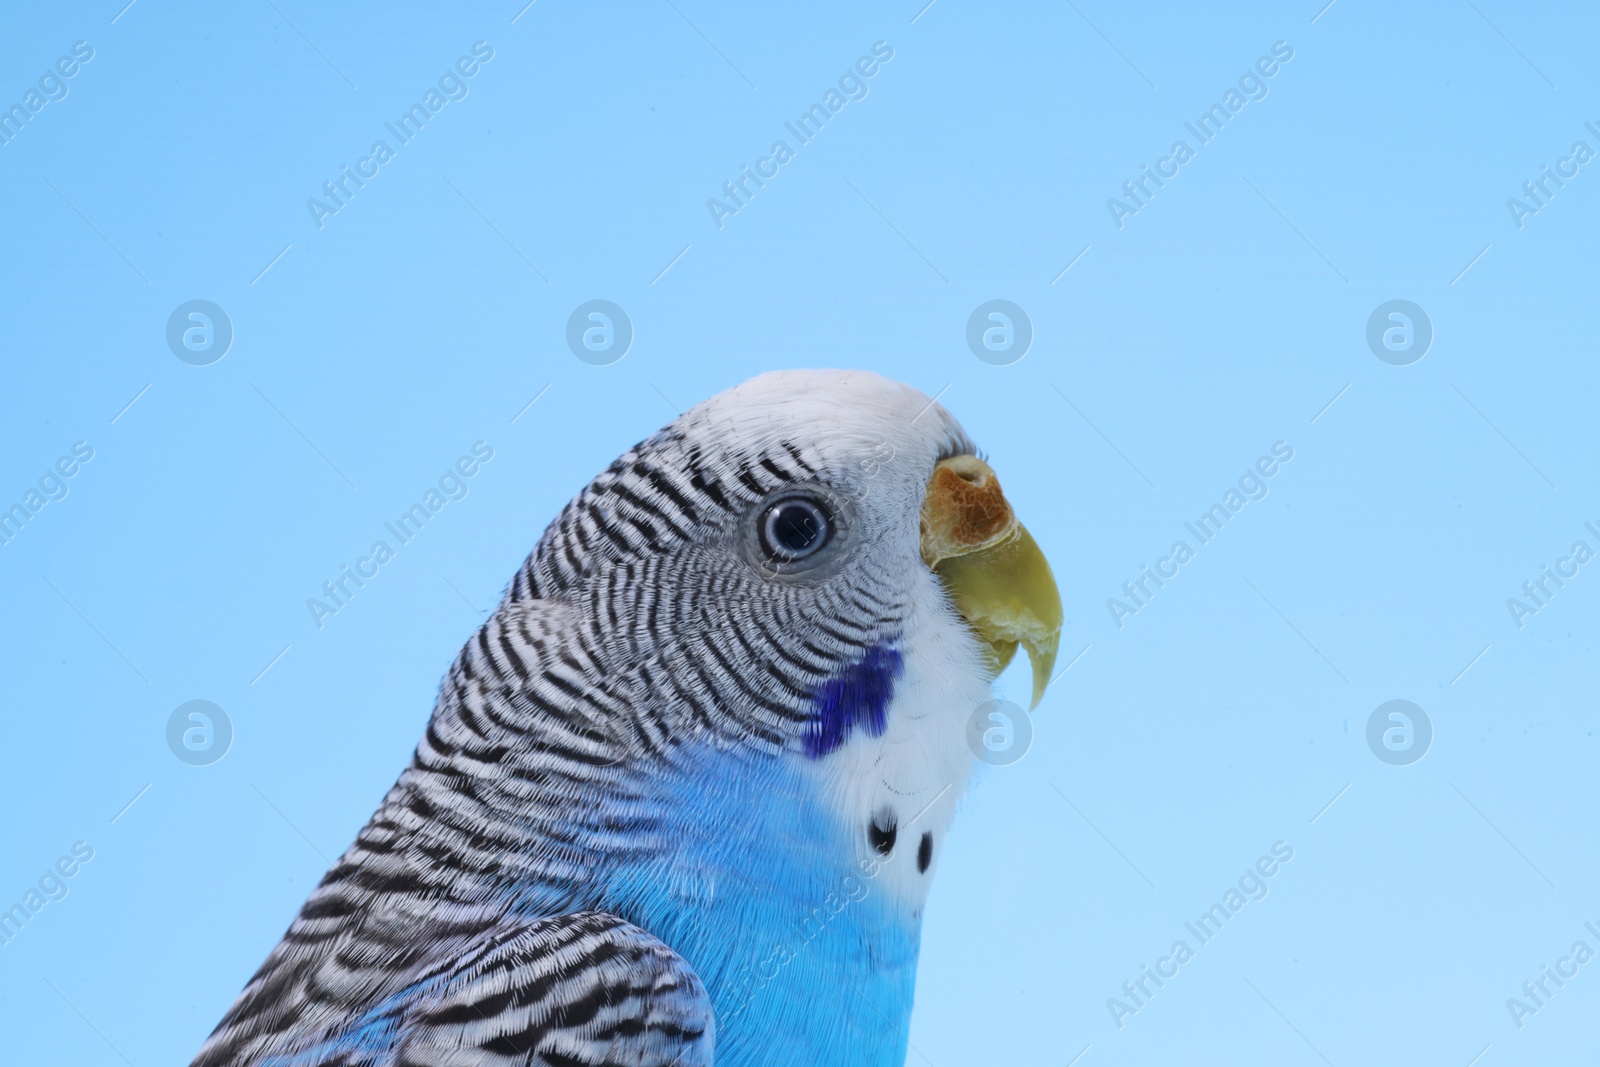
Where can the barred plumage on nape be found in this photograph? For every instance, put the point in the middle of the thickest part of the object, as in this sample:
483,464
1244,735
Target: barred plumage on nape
728,676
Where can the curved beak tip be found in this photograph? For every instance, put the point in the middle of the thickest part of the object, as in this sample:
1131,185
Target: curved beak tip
992,569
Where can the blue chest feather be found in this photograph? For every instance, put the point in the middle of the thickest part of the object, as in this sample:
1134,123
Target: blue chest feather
764,891
768,896
858,696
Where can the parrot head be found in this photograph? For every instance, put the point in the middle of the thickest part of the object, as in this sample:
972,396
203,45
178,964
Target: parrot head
816,564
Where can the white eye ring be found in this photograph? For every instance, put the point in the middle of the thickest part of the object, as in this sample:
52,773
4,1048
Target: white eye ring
794,528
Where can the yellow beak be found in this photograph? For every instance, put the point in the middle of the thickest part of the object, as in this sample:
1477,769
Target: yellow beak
994,573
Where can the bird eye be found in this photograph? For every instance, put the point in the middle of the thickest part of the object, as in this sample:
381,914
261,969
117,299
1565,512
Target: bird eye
795,528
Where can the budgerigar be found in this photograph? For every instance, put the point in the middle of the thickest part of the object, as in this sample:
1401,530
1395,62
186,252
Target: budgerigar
682,794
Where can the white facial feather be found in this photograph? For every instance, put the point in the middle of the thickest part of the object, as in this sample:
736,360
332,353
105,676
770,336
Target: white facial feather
914,776
880,441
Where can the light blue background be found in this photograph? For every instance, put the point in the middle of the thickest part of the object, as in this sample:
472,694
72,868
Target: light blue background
1223,317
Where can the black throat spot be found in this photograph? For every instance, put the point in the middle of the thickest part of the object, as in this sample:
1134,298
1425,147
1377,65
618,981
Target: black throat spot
882,837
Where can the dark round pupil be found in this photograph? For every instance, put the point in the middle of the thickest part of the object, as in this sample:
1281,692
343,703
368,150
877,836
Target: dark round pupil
796,527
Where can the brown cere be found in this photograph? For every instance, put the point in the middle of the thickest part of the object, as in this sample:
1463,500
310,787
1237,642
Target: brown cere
964,510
